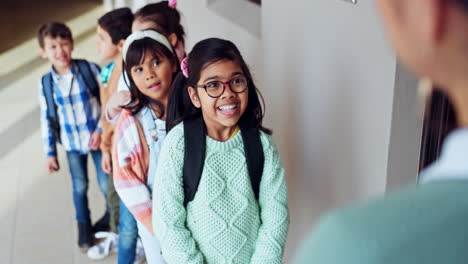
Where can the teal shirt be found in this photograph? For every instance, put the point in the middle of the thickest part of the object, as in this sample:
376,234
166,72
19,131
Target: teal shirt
224,223
424,224
106,73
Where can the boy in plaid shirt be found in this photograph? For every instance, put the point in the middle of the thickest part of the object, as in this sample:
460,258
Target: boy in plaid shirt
70,115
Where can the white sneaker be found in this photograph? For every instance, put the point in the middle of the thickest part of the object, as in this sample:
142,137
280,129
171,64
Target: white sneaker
105,247
140,252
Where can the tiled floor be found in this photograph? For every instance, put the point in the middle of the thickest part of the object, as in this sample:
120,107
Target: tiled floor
37,223
36,211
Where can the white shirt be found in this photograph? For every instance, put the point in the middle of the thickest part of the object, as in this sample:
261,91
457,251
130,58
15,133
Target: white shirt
453,161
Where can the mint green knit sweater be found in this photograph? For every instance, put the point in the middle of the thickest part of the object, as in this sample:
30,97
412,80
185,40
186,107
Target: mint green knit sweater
224,223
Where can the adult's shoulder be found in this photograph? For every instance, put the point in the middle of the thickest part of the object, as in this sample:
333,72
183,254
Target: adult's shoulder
402,225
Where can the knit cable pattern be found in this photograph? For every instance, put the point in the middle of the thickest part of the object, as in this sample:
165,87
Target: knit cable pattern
224,223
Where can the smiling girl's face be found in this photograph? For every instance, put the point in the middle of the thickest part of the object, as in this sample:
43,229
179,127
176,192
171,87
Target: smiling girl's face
223,112
153,76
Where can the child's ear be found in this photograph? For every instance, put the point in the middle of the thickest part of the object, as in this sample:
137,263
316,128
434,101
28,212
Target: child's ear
194,97
172,39
42,53
120,44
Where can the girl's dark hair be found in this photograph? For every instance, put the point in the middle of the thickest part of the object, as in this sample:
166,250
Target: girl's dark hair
204,54
118,23
135,56
166,17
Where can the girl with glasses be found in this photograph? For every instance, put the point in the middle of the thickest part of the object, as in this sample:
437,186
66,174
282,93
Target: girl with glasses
220,194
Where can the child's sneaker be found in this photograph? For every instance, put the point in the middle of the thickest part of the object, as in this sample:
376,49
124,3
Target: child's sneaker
140,253
105,247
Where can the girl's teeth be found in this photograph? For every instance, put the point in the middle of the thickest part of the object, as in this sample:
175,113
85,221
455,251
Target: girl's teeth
227,107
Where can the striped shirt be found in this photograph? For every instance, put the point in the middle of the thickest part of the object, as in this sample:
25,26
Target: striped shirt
78,112
130,168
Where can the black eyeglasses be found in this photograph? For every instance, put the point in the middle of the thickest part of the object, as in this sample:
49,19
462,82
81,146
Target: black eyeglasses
216,88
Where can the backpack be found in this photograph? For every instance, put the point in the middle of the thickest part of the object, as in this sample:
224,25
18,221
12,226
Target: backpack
85,71
194,156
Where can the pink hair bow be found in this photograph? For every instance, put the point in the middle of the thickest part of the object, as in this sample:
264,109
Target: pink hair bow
173,3
184,67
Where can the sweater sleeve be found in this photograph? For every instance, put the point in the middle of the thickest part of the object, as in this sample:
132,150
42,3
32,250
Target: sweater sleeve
273,204
130,165
177,243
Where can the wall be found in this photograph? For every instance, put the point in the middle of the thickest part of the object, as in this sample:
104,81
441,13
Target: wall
332,78
405,136
205,19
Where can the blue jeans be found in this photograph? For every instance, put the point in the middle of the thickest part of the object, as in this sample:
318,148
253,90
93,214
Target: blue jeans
128,235
79,173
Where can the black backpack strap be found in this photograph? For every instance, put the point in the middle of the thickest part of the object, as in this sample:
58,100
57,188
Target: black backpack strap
48,90
89,77
194,156
254,157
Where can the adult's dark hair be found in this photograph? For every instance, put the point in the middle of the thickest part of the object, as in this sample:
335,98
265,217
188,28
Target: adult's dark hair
463,3
204,54
440,120
53,30
118,23
135,56
166,17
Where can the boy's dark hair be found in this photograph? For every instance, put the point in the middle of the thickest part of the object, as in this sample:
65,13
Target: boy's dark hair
135,56
118,23
53,30
166,17
204,54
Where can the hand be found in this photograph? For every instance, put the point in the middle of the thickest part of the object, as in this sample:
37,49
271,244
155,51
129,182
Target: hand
106,162
116,101
52,164
95,140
